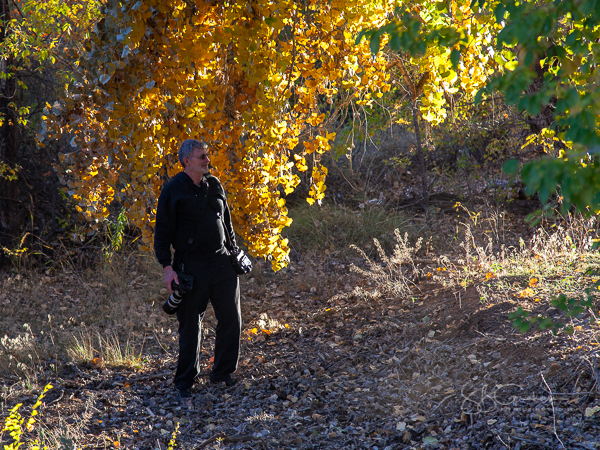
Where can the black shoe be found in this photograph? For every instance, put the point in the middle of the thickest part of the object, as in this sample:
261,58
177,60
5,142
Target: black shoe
184,394
227,380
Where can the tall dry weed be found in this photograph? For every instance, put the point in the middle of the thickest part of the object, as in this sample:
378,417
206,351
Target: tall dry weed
19,354
391,274
550,251
485,249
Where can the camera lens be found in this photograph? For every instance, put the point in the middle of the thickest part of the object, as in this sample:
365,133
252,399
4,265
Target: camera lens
172,303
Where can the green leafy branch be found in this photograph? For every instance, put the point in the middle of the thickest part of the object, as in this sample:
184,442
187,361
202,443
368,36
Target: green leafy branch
407,33
570,307
7,172
576,175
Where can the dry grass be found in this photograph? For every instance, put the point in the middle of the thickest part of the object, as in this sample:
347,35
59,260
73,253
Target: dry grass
393,274
565,240
67,434
106,317
82,348
112,314
92,348
558,259
19,355
81,316
333,229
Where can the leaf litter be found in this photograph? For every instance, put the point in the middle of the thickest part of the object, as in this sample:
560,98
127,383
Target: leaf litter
327,362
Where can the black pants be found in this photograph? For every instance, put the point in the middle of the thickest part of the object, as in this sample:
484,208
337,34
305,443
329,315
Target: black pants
214,280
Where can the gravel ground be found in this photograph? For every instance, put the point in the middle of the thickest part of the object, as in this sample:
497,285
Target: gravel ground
334,365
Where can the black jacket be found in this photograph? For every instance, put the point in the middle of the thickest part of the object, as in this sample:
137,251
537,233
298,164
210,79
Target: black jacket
188,218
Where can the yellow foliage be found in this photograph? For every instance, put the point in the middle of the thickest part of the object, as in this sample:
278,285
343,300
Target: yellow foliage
245,77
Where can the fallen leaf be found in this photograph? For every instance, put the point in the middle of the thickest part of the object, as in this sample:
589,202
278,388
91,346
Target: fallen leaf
589,412
430,440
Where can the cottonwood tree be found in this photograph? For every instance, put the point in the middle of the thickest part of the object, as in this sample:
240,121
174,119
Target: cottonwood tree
250,78
560,41
33,38
547,54
444,54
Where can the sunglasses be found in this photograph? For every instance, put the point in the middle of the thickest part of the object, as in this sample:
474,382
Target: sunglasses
203,157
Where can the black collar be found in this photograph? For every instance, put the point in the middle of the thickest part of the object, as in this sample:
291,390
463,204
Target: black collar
187,180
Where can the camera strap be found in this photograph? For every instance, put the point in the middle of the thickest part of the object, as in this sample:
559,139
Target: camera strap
228,239
239,260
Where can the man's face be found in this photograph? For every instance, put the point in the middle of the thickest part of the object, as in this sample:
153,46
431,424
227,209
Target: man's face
198,162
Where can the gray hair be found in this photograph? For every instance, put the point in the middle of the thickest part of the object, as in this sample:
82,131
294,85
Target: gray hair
187,148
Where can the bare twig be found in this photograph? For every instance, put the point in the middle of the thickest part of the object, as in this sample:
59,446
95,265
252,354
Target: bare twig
293,53
62,392
553,412
504,443
595,372
442,401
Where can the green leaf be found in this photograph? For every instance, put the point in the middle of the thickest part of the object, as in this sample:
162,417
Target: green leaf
455,58
361,35
499,12
375,43
524,326
395,42
511,167
560,51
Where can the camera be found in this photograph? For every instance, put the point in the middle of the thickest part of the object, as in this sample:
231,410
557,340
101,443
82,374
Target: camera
179,290
240,261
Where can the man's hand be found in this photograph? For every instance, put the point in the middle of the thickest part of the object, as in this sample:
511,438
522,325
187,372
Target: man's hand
170,275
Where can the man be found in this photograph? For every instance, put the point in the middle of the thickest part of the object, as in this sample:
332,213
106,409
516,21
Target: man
192,216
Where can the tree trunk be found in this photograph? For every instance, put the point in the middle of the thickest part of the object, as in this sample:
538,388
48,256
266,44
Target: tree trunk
421,157
415,91
10,212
